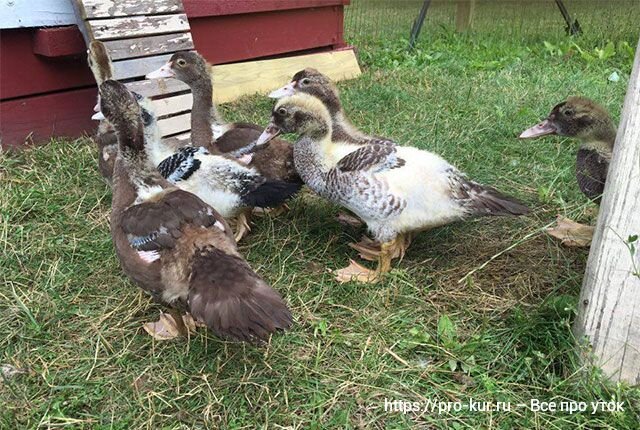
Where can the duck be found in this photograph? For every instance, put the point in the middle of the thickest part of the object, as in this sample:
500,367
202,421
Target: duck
585,120
311,81
396,190
105,137
224,182
208,128
176,247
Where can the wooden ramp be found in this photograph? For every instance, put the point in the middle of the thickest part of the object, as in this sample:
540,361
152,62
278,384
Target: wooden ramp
142,35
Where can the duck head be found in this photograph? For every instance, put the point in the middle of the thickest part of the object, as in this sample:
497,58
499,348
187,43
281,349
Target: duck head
301,114
577,117
312,82
120,108
186,66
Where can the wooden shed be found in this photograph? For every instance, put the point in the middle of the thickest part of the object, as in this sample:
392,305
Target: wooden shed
47,89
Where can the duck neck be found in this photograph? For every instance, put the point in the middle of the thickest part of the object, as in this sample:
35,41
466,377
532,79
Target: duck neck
344,130
311,155
203,113
601,139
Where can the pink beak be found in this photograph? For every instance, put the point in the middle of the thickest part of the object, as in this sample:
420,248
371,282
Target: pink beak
268,134
542,129
286,91
163,72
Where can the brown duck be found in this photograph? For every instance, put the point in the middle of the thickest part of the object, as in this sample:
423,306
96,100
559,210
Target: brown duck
584,119
209,130
176,247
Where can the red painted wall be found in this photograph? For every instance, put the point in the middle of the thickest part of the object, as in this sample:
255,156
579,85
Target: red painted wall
47,89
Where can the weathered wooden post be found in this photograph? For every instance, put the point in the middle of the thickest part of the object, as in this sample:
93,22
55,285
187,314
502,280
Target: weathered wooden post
464,14
609,307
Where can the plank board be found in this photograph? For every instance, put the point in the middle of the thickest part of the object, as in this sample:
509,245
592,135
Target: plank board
157,87
232,81
125,69
116,28
175,124
147,46
119,8
172,105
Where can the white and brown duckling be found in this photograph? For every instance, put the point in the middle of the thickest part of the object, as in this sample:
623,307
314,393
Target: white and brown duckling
223,182
395,190
584,119
312,82
175,246
209,130
105,138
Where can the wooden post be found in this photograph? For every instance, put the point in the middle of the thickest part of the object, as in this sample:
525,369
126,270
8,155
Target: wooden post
417,24
609,307
464,14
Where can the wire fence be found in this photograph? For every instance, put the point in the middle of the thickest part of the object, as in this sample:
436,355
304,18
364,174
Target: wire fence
371,21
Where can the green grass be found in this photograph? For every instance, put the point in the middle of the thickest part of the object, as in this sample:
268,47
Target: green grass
72,320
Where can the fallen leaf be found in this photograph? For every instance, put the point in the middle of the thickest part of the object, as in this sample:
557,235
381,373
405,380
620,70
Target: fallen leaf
571,233
356,272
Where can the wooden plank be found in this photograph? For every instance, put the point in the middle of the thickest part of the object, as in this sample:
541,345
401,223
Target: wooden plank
464,14
136,26
157,87
175,124
200,8
125,69
146,46
58,42
178,141
172,105
119,8
38,118
608,308
36,13
231,81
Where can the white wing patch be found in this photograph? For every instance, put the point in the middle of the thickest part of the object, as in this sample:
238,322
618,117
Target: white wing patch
149,256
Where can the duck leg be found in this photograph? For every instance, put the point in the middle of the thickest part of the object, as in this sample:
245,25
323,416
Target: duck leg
388,251
370,249
242,225
571,233
169,326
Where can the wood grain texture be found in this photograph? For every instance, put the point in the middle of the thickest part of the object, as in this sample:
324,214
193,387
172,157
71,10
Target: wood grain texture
136,26
231,81
609,307
125,69
119,8
175,124
464,14
147,46
156,88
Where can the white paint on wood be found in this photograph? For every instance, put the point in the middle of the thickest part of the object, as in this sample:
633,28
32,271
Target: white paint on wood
175,124
147,46
157,87
125,69
609,307
35,13
137,26
172,105
118,8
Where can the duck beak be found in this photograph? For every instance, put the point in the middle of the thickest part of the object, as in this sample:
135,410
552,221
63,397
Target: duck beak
163,72
286,91
542,129
98,116
96,108
268,134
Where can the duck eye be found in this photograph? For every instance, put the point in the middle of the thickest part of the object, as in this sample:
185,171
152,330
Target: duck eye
305,81
181,62
282,111
568,112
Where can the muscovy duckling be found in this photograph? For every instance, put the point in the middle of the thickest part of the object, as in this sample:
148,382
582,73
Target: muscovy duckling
209,130
105,139
175,246
584,119
395,190
223,182
312,82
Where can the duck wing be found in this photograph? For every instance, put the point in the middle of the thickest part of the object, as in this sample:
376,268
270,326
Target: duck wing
375,157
